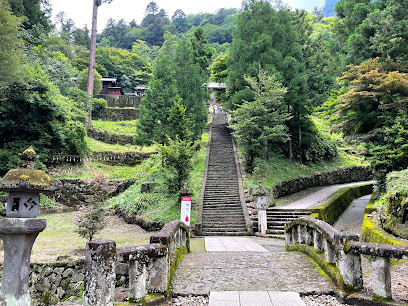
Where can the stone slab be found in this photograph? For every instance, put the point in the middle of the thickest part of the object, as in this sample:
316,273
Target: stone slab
232,244
255,298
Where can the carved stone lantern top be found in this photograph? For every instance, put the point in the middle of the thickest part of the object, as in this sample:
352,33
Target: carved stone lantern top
24,186
185,191
263,197
27,177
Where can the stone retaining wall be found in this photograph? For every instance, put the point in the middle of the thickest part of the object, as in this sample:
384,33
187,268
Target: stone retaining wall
121,101
76,192
340,176
339,201
117,114
110,138
151,226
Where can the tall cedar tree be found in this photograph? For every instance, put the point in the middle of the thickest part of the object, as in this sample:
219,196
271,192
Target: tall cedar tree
153,125
267,38
258,122
190,79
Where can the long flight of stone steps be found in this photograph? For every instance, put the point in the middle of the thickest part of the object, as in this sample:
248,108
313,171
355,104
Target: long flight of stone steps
222,210
277,218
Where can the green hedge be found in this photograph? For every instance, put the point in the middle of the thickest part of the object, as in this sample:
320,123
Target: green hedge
331,211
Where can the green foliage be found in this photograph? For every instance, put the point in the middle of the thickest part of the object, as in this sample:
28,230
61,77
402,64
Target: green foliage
160,204
189,80
279,169
394,203
91,218
99,104
389,152
34,113
83,79
36,13
10,47
46,202
177,158
178,122
116,127
202,52
261,121
155,109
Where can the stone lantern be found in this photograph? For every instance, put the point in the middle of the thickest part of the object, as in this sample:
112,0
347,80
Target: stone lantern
263,199
20,228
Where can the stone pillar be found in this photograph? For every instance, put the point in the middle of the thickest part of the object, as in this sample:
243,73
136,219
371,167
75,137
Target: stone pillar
308,236
288,237
262,221
381,277
318,241
301,233
349,266
137,278
159,274
18,236
100,276
329,252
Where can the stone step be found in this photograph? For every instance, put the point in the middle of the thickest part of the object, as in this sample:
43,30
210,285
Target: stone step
224,233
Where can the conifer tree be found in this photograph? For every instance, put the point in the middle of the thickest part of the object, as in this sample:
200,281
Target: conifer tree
153,125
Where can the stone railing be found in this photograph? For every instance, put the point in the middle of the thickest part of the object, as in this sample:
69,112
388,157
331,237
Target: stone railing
339,254
150,267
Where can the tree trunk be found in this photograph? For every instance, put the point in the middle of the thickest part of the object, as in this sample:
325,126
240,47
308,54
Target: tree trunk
265,155
300,140
91,66
290,150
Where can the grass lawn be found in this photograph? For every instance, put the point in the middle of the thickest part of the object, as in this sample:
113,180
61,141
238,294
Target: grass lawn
116,127
279,169
99,146
88,169
59,238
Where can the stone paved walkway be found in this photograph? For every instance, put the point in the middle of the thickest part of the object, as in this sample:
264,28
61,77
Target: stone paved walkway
316,198
255,298
351,220
273,270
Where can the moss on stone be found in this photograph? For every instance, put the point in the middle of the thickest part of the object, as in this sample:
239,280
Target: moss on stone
330,211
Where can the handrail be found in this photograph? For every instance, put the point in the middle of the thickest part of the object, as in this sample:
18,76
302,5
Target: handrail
151,266
329,246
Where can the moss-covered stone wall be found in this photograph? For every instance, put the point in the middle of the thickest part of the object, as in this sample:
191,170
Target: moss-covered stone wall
331,211
339,176
117,114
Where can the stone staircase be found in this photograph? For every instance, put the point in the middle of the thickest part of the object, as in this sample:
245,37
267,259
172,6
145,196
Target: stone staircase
222,211
277,218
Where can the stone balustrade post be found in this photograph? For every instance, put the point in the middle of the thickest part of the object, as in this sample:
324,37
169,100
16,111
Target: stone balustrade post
289,237
318,241
137,277
381,277
329,253
100,276
308,236
349,264
262,221
301,233
295,235
158,272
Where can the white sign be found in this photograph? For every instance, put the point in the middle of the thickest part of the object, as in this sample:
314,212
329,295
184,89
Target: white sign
185,210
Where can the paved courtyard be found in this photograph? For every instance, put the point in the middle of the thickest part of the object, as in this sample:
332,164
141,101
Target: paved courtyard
267,268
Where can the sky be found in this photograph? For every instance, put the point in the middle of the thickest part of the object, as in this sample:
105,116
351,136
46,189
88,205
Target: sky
81,10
